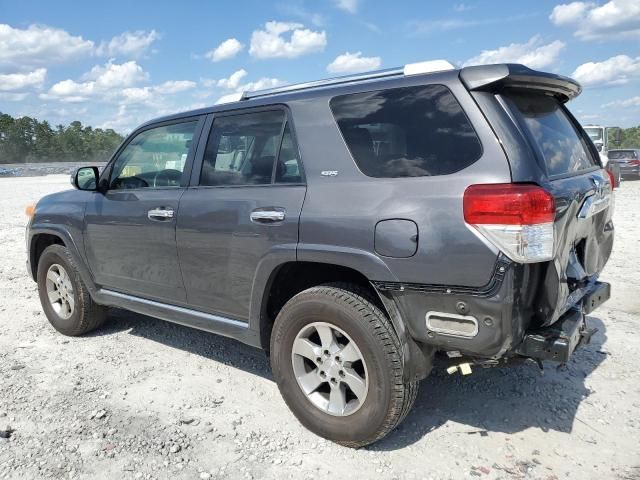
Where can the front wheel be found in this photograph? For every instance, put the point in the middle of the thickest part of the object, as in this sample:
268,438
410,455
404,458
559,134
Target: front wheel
338,364
64,297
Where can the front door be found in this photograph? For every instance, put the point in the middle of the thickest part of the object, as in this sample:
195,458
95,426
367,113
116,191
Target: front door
244,206
130,228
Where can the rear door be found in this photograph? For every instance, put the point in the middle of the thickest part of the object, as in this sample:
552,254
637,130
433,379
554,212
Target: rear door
242,208
583,232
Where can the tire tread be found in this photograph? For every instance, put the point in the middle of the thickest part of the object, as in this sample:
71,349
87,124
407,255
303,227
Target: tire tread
403,393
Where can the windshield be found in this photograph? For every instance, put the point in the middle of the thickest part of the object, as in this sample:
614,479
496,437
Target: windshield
595,133
562,147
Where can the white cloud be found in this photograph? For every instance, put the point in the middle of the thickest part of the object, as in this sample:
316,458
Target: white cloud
613,71
569,13
629,102
101,79
70,91
534,54
154,95
13,97
591,21
270,43
260,84
233,81
128,44
20,81
227,49
113,75
137,94
174,86
353,63
39,45
350,6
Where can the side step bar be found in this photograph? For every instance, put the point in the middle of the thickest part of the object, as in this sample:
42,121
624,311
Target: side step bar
184,316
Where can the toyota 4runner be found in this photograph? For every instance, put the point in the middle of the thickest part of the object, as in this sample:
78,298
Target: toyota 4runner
351,227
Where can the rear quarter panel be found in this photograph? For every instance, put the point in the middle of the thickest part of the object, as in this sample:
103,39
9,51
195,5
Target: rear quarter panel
340,212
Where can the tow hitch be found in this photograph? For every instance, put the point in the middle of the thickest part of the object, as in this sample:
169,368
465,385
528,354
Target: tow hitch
558,341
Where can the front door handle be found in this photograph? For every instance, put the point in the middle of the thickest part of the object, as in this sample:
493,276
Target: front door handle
160,214
268,215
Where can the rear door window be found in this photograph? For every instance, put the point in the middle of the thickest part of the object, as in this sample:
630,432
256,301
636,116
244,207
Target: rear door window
562,147
407,132
251,149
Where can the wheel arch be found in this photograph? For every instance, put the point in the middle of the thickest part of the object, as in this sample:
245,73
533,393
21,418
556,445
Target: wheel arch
40,237
290,278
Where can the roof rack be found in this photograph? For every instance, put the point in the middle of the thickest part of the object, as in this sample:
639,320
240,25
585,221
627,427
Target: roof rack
430,66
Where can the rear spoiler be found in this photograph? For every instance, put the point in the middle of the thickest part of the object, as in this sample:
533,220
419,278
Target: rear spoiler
494,78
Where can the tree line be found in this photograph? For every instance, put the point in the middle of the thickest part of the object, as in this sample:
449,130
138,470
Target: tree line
630,138
26,139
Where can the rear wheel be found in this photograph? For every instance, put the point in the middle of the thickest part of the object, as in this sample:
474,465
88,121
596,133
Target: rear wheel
338,364
64,297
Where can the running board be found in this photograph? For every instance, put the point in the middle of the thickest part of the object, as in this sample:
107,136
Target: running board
180,315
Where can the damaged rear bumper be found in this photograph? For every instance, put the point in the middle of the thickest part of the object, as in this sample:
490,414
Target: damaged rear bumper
558,341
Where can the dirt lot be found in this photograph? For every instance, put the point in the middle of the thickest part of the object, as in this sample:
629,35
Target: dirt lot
143,398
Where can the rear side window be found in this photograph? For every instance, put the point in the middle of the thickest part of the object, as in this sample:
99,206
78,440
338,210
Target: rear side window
563,149
616,154
407,132
251,149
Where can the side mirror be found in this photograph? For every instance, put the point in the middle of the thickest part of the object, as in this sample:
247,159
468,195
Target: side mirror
86,178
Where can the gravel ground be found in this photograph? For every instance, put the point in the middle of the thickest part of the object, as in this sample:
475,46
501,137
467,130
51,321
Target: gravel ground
142,398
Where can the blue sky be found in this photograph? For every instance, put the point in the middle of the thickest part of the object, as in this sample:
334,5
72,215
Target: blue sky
116,64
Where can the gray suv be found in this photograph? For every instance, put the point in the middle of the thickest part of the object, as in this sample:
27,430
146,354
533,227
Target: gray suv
352,227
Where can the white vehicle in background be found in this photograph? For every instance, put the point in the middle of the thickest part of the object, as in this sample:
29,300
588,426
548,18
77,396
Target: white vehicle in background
599,135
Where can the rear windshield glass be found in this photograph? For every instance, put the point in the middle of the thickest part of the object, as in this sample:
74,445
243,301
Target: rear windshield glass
407,132
616,154
563,149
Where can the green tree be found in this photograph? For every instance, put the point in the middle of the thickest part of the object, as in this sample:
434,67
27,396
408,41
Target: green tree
26,139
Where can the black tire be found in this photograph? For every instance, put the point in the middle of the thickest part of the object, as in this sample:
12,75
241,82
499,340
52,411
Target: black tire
87,315
346,307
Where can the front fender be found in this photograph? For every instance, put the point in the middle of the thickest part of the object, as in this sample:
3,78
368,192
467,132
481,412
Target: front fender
68,240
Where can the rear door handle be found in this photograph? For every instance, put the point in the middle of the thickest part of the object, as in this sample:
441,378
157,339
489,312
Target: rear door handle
160,214
268,215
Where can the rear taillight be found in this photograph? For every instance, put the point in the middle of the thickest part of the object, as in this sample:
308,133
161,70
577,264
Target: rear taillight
634,163
516,218
612,179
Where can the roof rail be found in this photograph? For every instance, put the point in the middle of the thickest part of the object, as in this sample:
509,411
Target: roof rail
409,69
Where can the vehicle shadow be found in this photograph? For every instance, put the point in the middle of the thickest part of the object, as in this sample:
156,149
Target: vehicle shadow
503,399
208,345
